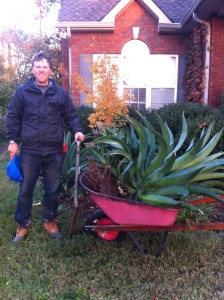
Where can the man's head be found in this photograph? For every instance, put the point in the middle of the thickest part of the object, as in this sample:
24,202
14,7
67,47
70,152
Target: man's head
41,68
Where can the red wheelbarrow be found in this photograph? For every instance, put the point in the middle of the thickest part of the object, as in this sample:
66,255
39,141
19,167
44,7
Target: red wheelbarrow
117,217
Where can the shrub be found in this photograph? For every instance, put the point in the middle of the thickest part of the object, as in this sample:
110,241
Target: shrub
197,116
84,111
2,128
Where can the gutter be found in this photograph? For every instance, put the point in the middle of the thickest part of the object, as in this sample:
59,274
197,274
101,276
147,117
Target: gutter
86,26
169,28
178,27
207,55
68,30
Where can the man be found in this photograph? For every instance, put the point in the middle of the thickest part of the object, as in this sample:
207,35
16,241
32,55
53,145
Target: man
35,118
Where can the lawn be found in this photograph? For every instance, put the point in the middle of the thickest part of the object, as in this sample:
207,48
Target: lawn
84,268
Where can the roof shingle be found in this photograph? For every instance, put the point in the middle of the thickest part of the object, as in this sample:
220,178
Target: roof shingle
96,10
175,9
85,10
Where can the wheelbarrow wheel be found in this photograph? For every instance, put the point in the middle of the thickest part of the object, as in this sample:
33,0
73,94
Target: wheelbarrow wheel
100,218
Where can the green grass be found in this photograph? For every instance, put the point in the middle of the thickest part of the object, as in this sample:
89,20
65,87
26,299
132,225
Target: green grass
84,268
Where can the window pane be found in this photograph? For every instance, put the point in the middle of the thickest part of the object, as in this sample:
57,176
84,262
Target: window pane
136,97
163,71
161,97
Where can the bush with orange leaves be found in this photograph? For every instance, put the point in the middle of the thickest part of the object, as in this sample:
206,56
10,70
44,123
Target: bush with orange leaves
104,96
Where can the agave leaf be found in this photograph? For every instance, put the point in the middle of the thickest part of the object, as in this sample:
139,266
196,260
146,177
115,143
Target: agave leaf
183,135
212,183
218,191
204,151
132,171
207,176
213,165
170,190
202,190
190,206
163,148
208,133
112,141
127,168
213,156
120,152
178,177
168,137
190,145
143,145
188,156
159,172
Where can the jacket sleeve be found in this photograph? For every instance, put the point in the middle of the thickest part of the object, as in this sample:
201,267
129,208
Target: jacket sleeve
14,116
70,116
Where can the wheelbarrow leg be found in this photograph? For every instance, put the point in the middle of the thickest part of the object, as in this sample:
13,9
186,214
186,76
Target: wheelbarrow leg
163,244
136,242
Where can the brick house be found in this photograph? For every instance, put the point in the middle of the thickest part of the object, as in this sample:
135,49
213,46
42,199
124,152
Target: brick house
147,39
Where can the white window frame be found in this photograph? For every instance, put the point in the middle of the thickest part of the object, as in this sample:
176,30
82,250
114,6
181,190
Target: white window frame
149,86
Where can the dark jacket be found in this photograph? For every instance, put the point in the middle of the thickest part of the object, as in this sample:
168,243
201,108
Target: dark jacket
36,120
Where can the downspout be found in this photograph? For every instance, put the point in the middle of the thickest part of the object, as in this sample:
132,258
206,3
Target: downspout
207,55
69,60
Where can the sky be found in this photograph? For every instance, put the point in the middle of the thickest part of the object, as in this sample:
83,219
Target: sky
20,14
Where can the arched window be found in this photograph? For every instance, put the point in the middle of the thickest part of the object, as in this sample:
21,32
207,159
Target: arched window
149,80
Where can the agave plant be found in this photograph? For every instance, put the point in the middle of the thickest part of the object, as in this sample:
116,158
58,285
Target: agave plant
147,163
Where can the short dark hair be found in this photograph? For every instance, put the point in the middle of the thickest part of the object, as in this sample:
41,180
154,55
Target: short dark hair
42,55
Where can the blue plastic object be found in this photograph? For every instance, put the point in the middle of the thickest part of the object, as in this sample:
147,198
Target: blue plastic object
13,169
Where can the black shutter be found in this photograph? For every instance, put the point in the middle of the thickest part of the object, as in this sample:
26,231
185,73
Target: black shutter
181,73
86,61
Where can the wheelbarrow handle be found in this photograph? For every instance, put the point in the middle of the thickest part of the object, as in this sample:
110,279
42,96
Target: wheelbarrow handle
75,194
77,172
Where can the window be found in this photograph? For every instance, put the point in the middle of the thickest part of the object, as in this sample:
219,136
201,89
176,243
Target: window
149,80
163,80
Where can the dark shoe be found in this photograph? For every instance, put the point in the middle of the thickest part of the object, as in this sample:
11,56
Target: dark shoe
21,234
52,228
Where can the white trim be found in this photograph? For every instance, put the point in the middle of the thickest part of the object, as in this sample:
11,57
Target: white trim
110,17
162,17
86,26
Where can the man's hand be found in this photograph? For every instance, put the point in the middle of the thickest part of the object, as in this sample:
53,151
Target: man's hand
79,136
13,149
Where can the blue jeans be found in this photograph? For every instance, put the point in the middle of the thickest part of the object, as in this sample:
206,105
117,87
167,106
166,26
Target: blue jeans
31,165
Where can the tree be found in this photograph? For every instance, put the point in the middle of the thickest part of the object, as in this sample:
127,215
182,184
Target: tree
104,97
32,45
17,51
7,83
44,8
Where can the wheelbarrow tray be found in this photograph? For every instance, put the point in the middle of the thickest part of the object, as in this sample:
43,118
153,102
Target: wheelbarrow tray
132,216
128,212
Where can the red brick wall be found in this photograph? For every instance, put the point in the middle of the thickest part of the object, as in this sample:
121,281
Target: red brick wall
133,15
216,78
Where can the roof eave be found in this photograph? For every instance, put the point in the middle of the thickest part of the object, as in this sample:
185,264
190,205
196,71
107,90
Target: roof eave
169,28
86,26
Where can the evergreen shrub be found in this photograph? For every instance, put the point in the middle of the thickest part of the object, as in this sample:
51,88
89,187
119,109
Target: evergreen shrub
2,128
84,111
197,116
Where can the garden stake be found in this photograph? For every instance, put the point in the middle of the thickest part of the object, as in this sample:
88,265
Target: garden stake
75,194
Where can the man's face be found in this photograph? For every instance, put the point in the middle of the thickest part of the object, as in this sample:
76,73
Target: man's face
41,71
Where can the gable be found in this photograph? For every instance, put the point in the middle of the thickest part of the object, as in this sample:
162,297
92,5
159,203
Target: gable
87,15
148,4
